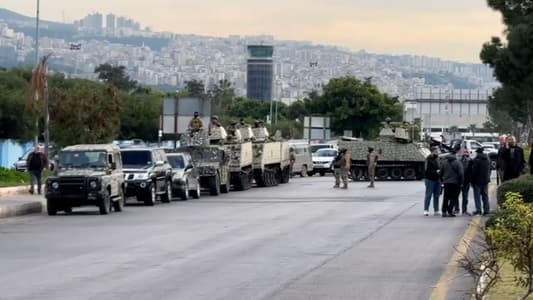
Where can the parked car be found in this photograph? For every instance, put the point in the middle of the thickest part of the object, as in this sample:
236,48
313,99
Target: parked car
304,161
86,175
185,176
323,160
148,174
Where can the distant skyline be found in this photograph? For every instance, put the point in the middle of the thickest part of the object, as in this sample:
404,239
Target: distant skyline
452,29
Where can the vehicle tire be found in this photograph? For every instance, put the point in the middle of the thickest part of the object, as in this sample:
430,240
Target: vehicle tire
409,173
303,172
286,175
195,193
259,177
382,173
493,164
105,203
396,174
67,210
150,197
167,196
118,204
322,173
311,173
184,194
214,185
51,207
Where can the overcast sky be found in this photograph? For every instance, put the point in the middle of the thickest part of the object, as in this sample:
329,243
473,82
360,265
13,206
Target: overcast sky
452,29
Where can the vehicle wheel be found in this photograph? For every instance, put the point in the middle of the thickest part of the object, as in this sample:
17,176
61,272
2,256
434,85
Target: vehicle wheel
51,207
214,185
311,173
105,203
382,173
286,175
409,173
150,197
322,173
118,204
303,172
493,164
396,174
167,196
260,178
195,193
184,195
67,209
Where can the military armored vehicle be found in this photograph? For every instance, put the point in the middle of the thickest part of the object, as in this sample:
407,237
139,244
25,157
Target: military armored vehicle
212,161
399,158
86,175
271,165
239,146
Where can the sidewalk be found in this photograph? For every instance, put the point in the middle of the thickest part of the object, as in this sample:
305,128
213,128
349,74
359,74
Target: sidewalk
17,201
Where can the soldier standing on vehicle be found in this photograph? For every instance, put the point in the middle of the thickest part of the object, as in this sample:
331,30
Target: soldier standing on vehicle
36,162
371,162
196,123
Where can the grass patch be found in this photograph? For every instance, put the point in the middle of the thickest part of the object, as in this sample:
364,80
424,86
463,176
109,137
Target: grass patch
506,289
10,177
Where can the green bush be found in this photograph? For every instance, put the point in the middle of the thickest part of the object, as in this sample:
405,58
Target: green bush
9,177
522,185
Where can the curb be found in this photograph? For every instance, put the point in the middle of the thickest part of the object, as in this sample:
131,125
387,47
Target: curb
21,209
16,190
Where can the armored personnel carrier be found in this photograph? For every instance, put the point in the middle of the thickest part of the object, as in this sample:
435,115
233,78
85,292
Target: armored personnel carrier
271,165
238,144
399,158
212,161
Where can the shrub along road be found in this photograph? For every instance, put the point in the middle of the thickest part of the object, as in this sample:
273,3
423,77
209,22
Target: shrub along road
303,240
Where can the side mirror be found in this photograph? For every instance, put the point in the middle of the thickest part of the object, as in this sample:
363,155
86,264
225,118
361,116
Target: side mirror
188,167
159,163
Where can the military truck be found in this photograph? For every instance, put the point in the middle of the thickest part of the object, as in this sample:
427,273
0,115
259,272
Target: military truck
212,161
399,158
271,165
86,175
238,144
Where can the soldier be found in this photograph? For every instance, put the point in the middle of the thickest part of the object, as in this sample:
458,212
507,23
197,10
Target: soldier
215,122
241,124
292,159
341,166
196,123
372,161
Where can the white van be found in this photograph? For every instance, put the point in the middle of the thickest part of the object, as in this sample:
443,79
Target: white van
304,160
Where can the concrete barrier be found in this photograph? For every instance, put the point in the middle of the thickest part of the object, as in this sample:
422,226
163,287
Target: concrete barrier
20,209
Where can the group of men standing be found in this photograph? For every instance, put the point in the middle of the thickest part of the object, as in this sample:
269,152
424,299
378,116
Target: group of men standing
342,164
456,175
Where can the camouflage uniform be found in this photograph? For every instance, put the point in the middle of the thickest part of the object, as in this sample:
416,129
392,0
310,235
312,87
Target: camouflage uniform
196,124
341,168
372,161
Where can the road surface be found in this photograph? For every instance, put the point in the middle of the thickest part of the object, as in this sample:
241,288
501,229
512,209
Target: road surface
303,240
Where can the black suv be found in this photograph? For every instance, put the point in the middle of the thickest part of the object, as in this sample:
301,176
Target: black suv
147,174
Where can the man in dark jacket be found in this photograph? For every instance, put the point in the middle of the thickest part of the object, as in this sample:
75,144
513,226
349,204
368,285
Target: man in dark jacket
452,177
466,162
513,159
531,156
480,180
36,162
432,180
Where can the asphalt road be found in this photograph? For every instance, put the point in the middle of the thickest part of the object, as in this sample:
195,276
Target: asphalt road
303,240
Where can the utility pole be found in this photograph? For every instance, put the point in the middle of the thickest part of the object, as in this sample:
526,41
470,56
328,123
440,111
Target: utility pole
36,97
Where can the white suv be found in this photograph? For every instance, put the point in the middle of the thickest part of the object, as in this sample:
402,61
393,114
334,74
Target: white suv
323,159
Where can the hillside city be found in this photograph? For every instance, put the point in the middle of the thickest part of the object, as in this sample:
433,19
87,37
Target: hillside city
165,60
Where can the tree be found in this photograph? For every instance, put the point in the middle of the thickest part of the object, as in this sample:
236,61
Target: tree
222,96
16,120
140,114
355,105
195,88
512,235
83,112
512,61
115,75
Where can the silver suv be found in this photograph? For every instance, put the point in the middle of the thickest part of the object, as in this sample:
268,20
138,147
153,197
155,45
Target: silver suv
86,175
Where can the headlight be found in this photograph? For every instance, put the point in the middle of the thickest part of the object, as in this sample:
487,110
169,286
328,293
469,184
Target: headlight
142,176
93,184
55,185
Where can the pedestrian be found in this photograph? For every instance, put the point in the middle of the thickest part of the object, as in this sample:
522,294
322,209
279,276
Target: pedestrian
499,161
371,162
36,162
531,156
341,165
292,160
466,162
480,181
452,177
513,159
432,181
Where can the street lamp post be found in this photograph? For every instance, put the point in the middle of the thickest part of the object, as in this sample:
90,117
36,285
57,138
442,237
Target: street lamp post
36,64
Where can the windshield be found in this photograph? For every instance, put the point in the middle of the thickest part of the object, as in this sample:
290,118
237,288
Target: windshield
326,152
176,161
136,158
82,159
315,148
